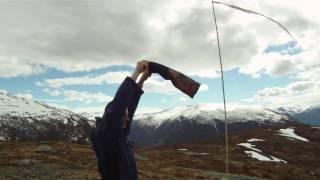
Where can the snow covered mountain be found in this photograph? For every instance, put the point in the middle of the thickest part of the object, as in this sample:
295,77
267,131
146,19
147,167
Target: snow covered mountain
309,115
24,119
209,114
194,122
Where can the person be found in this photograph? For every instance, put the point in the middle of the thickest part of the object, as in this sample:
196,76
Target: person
110,137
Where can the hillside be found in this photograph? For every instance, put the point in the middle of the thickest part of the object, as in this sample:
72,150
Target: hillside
283,152
24,119
195,122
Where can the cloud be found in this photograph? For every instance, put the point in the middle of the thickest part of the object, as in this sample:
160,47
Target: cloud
303,93
154,85
13,66
72,95
107,78
273,64
79,96
291,89
3,91
211,73
183,99
203,87
82,36
73,36
25,95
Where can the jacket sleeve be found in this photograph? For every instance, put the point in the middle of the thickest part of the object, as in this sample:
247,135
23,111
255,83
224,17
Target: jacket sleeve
127,96
108,129
133,104
123,96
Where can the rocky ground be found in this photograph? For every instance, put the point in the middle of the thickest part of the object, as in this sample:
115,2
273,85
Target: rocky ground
199,160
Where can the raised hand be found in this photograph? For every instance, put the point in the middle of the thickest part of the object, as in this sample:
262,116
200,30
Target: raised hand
140,67
146,74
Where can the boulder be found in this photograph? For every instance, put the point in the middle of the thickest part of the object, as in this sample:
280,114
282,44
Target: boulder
44,148
25,162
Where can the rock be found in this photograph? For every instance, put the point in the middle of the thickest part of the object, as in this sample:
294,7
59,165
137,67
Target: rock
25,162
44,148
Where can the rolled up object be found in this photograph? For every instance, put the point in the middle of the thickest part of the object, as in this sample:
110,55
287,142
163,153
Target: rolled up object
179,80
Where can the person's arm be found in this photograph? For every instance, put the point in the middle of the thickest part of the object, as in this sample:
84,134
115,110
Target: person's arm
122,96
109,127
136,96
126,90
133,104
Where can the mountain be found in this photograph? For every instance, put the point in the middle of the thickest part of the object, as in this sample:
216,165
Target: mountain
310,115
91,117
24,119
188,123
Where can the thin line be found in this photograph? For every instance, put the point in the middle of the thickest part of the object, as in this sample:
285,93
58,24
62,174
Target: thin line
224,98
257,13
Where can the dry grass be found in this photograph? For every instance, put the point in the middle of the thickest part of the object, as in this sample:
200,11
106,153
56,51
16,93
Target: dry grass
74,161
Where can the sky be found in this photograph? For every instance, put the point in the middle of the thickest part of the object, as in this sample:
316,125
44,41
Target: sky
74,54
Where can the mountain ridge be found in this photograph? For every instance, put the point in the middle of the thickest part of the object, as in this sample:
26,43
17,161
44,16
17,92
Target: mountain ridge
25,119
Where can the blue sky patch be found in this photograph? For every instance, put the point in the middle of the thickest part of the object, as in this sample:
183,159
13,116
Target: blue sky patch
290,48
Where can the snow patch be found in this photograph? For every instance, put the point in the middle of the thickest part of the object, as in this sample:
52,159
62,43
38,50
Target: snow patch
182,149
289,132
256,155
260,157
249,146
316,127
254,140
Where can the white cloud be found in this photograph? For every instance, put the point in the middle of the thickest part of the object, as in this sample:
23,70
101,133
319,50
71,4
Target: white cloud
52,92
38,83
273,64
13,66
183,99
301,93
3,91
55,92
82,36
210,73
107,78
71,95
25,95
155,85
203,87
80,96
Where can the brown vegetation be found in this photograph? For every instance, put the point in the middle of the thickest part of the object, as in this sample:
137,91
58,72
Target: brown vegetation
19,160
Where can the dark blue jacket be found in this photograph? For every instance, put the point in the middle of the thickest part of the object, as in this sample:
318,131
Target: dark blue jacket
109,140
